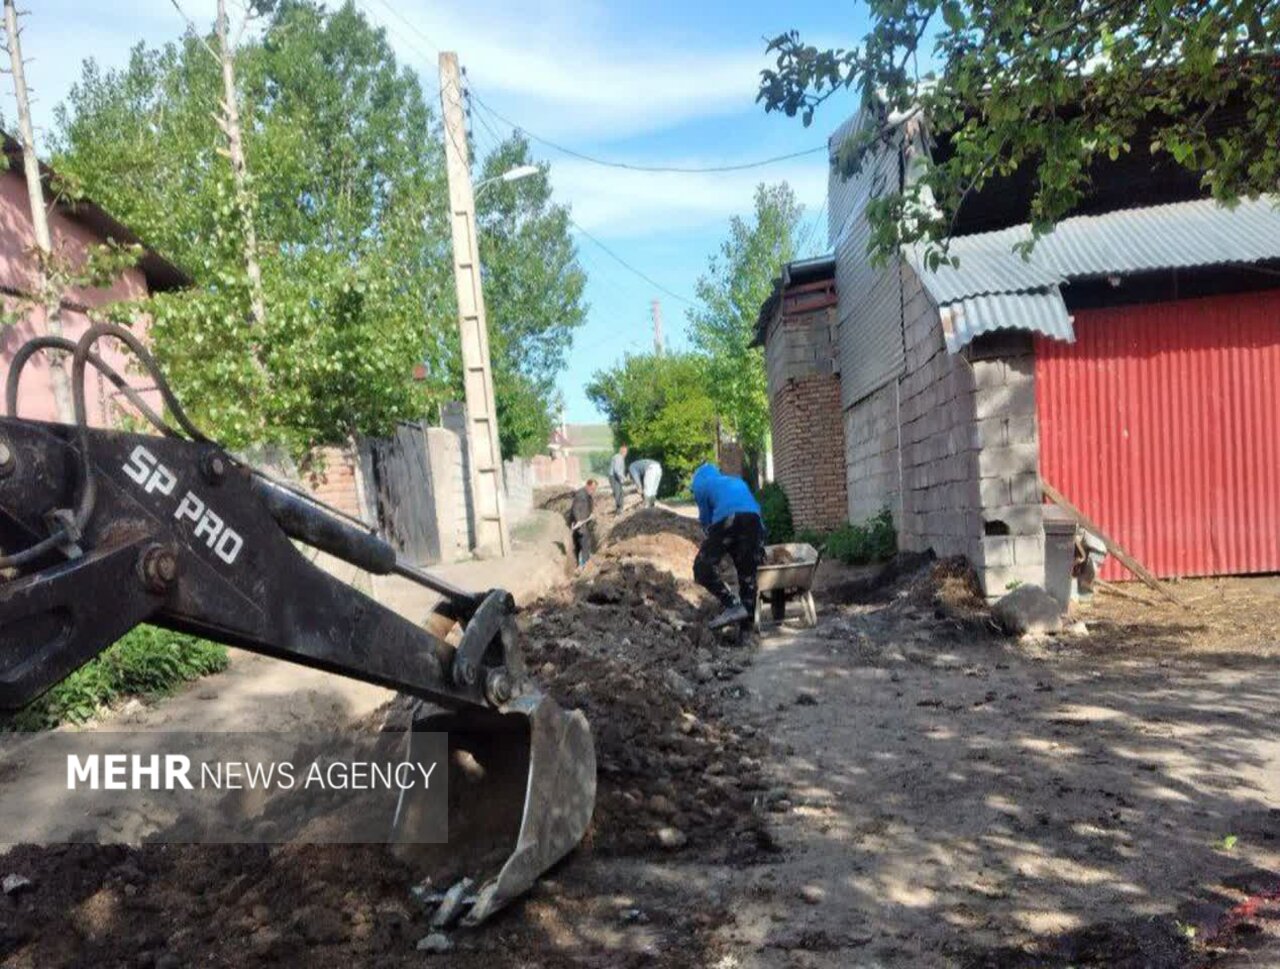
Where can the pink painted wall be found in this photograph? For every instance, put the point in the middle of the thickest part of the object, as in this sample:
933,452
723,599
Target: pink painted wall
18,274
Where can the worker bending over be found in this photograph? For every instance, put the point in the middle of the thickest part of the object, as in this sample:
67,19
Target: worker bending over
647,474
730,517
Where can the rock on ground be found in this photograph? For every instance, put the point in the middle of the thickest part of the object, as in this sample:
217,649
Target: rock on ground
1028,609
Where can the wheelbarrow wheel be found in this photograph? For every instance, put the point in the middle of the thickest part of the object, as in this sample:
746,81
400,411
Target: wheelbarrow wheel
810,610
778,604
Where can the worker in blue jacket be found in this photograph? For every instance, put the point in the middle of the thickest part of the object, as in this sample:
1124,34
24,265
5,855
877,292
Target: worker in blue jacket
730,517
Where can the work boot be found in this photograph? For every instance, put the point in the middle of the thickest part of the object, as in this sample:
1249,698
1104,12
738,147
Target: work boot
734,613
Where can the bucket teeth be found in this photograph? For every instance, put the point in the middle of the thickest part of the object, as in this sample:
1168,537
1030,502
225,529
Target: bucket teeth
522,784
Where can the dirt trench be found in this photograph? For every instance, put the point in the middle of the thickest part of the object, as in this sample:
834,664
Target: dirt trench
678,784
899,787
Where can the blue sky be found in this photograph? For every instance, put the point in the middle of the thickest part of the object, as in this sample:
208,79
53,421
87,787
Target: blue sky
658,83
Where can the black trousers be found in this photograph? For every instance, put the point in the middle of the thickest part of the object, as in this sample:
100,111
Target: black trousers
741,537
584,544
616,485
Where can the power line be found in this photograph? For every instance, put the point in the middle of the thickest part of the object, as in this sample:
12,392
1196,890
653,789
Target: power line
617,258
408,23
800,247
678,169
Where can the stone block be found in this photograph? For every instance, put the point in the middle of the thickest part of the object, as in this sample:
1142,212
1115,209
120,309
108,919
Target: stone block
1014,460
1028,549
988,374
1019,519
1009,400
1025,488
1022,429
997,550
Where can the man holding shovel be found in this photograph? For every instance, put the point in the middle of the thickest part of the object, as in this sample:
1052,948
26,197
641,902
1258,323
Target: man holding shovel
581,513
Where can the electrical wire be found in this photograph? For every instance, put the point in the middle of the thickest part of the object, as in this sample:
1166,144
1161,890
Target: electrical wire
635,167
626,265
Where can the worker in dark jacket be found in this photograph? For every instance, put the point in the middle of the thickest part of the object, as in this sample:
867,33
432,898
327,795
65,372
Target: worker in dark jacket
582,511
730,517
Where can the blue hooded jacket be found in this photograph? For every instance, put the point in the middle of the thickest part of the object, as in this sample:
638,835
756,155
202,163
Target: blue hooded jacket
721,495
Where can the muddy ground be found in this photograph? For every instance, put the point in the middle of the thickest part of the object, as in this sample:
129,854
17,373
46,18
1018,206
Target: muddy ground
898,787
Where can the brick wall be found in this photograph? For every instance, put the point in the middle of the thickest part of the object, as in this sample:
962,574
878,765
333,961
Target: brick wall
804,406
563,469
808,459
332,478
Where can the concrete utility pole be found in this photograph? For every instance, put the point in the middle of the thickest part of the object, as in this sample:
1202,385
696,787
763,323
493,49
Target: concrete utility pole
229,122
655,310
482,412
50,296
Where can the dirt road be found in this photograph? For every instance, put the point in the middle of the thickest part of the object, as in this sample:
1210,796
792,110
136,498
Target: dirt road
898,787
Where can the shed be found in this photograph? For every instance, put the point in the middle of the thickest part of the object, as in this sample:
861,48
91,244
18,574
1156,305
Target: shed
1131,360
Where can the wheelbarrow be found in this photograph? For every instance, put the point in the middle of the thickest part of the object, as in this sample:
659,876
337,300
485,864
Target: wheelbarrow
786,575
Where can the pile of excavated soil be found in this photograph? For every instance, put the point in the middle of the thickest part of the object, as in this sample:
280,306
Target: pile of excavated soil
660,538
676,781
627,645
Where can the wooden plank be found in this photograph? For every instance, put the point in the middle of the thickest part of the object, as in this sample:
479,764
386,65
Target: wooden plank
1114,547
1114,590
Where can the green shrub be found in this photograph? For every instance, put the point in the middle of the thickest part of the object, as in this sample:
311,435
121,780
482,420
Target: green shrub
147,661
775,509
872,541
811,536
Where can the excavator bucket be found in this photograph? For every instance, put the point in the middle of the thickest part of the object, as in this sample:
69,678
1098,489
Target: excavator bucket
522,786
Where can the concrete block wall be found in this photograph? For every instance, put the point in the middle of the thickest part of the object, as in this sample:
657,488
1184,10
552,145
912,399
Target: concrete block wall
800,345
518,479
449,487
871,454
940,508
1007,467
970,453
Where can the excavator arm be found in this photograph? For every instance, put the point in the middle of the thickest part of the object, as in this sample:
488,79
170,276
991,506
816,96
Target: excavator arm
101,530
184,536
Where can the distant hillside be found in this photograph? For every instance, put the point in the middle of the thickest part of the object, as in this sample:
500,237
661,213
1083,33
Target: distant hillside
590,437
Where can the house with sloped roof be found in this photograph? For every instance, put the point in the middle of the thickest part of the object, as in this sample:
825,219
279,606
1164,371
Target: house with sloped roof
76,227
1131,360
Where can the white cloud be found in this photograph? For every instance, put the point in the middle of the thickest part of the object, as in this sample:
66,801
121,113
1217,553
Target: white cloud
568,73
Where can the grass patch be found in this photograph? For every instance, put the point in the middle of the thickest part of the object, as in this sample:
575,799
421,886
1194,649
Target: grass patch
146,662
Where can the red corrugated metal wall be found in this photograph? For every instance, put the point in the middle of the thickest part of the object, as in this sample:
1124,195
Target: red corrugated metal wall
1162,423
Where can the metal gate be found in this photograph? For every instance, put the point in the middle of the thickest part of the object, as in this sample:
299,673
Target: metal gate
1162,423
402,492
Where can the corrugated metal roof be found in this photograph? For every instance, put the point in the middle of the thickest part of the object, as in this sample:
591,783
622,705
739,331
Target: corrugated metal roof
982,272
1039,312
1179,235
994,287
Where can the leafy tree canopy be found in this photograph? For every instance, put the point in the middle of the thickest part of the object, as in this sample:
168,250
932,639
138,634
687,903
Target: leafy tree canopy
738,280
350,213
1053,86
533,292
659,405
